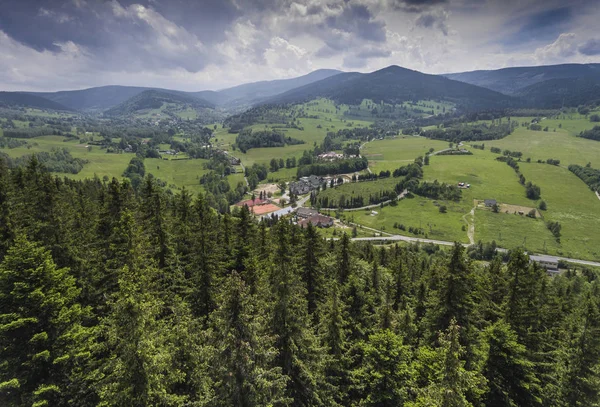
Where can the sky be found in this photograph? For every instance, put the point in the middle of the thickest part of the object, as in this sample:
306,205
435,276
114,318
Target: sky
195,45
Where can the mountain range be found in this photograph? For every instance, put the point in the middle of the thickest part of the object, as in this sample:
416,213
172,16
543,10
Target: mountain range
538,86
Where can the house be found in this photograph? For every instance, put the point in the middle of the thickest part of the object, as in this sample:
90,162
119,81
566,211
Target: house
306,213
490,202
318,220
299,188
547,262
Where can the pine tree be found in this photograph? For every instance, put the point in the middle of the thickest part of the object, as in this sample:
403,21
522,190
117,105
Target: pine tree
39,320
298,353
244,356
384,376
510,375
205,266
312,275
6,232
581,378
451,382
333,331
454,299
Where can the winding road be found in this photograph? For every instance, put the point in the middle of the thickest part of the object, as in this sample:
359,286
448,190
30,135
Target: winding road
400,238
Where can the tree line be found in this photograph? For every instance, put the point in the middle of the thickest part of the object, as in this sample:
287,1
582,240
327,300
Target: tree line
587,174
248,139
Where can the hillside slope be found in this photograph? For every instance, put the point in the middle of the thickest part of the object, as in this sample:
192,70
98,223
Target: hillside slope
154,99
100,98
396,85
510,80
556,93
29,100
250,93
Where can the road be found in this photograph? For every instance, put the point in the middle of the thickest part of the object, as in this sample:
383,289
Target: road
288,209
399,238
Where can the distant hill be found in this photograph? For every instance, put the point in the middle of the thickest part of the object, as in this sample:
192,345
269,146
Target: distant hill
106,97
28,100
396,85
250,93
154,99
556,93
511,80
100,98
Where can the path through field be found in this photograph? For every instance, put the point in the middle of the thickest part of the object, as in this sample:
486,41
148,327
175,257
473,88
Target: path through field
598,194
471,224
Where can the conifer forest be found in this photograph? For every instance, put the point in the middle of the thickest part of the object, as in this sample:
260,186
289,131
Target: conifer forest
111,296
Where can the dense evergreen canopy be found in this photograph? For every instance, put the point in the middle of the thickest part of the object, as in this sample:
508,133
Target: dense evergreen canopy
112,296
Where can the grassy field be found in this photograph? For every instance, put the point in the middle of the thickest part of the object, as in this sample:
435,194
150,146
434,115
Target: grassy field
562,144
489,179
389,154
177,173
417,212
571,203
511,231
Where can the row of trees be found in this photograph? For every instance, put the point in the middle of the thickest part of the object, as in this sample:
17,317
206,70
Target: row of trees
121,299
587,174
344,166
592,134
471,132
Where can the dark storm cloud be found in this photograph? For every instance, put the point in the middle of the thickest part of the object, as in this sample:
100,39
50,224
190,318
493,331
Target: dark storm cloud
357,19
540,26
415,6
590,47
433,20
373,53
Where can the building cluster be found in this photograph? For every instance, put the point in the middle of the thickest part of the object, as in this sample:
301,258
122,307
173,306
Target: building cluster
330,156
312,216
306,184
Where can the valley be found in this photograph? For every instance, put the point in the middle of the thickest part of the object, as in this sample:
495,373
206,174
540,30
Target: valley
190,140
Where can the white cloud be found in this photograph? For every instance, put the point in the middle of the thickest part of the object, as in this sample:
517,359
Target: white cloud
564,47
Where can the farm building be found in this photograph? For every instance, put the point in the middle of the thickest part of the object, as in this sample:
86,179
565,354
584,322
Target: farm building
490,202
318,220
547,262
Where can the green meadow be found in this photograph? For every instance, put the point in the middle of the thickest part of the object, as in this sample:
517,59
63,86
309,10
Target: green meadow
392,153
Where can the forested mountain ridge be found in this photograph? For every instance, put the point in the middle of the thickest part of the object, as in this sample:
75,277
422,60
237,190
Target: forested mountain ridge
394,85
26,100
106,97
251,93
511,80
121,298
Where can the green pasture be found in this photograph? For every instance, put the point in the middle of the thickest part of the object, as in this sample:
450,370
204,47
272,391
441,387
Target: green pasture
489,178
510,231
571,203
561,144
417,212
181,173
392,153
